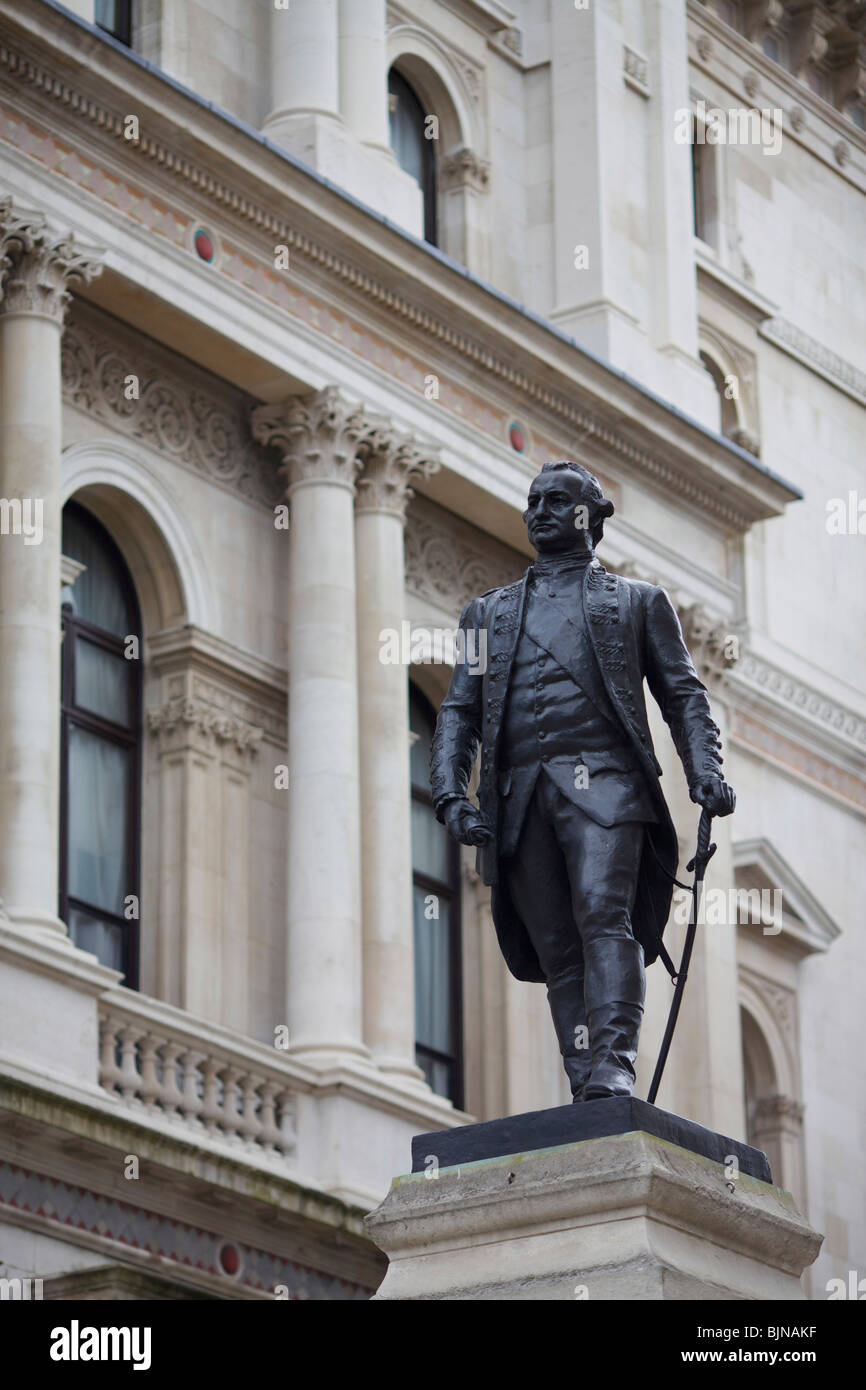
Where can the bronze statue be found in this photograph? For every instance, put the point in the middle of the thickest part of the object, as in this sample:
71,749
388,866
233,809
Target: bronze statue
573,832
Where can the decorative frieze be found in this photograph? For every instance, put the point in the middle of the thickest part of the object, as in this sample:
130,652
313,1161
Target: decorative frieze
445,567
149,394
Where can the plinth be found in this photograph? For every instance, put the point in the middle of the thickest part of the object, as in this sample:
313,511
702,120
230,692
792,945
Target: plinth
610,1199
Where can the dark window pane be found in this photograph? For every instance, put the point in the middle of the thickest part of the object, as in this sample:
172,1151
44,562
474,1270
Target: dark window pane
408,139
115,16
98,595
97,816
433,1005
430,844
438,1074
102,939
421,725
102,682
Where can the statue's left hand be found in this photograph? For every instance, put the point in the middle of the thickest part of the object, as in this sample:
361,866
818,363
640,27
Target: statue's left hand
714,795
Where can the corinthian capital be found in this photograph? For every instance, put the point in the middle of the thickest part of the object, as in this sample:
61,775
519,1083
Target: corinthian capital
317,435
390,458
37,266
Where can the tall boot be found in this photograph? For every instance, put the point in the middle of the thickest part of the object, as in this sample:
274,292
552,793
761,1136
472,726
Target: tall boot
615,989
569,1019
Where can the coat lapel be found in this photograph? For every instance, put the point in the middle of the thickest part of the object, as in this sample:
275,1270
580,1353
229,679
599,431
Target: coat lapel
606,608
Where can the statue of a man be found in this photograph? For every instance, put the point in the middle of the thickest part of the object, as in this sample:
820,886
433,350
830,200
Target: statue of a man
573,832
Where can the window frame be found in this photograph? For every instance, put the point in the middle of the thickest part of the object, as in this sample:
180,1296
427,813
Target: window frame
429,181
128,736
450,892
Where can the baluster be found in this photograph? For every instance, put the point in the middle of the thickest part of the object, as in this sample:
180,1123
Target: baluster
286,1122
109,1071
270,1136
191,1102
210,1108
150,1086
171,1094
231,1114
130,1081
249,1124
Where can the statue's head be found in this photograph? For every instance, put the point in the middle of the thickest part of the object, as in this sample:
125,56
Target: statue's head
566,509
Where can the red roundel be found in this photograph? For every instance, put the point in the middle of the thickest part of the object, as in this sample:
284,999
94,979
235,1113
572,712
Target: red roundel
204,246
230,1259
517,438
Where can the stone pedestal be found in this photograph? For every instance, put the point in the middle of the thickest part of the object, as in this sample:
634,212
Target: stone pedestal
623,1215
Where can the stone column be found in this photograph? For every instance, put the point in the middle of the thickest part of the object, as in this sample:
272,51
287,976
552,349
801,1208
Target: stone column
35,269
386,843
304,68
708,1066
319,437
364,70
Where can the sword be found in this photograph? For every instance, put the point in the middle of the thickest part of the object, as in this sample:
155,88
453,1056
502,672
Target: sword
703,855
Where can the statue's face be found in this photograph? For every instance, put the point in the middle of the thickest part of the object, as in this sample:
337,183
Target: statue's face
556,512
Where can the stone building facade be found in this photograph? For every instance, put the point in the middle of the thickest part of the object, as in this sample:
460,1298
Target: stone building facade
295,301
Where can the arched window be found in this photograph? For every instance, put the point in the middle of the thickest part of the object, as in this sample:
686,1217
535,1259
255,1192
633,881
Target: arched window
414,151
100,748
436,908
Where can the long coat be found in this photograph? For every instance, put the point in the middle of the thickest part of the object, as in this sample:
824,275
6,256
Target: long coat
635,635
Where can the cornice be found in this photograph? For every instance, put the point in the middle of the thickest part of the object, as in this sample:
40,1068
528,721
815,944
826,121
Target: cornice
760,75
814,355
806,711
368,261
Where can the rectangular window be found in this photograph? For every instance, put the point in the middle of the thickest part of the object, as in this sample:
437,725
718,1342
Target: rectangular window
115,17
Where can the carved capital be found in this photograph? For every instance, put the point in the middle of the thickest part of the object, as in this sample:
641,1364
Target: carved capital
189,722
37,267
714,649
778,1113
317,435
389,459
464,169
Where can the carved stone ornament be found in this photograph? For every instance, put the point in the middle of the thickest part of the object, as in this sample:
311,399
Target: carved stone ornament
713,649
36,265
179,719
464,169
147,393
317,435
390,458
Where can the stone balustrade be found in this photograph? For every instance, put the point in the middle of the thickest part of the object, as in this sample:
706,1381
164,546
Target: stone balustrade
194,1074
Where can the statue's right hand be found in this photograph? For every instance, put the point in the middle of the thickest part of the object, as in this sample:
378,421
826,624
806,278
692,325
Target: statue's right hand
465,823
